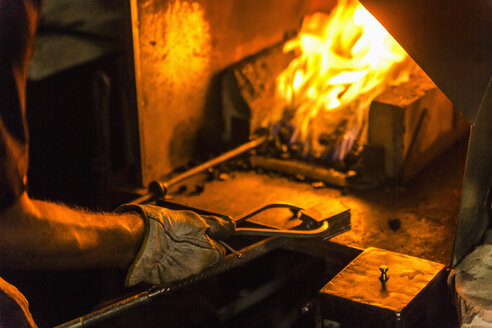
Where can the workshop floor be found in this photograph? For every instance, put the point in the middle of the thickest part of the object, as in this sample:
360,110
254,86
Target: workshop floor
418,219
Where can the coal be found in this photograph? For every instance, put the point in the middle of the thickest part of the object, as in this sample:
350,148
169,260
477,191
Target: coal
318,184
224,176
394,224
199,188
300,177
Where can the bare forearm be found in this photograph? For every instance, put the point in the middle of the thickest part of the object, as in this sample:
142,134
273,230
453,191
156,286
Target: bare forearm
46,235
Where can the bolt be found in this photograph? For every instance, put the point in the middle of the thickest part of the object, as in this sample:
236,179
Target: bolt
384,276
306,308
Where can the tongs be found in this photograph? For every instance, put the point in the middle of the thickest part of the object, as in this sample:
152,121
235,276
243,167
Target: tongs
315,221
313,224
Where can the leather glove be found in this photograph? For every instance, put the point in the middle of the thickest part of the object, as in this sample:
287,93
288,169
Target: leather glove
176,244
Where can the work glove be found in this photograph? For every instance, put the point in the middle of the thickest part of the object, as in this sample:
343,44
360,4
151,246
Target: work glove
176,244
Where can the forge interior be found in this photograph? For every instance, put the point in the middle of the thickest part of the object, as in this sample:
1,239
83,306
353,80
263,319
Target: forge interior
122,93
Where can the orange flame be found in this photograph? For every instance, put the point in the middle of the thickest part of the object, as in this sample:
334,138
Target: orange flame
346,59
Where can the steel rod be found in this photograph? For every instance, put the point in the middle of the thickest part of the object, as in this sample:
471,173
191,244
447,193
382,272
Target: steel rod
283,233
215,161
159,188
144,199
230,261
291,207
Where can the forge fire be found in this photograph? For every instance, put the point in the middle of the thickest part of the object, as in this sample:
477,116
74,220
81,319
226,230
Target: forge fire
345,59
280,163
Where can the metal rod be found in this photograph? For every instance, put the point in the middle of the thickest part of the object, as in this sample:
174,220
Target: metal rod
311,171
144,199
283,232
217,160
294,209
159,188
232,250
231,261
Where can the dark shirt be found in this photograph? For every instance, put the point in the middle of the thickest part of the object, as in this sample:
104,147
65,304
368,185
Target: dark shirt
17,25
18,21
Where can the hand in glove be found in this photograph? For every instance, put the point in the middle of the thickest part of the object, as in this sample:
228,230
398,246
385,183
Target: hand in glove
176,244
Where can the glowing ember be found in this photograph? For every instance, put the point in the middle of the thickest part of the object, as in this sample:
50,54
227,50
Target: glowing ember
345,60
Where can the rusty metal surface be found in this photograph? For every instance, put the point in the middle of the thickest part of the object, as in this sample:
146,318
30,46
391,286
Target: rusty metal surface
359,281
180,47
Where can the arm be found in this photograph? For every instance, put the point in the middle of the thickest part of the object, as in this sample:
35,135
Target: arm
43,235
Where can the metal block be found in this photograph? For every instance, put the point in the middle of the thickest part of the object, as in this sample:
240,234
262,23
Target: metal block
359,296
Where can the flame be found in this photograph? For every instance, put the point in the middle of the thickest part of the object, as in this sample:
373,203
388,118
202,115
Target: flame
345,60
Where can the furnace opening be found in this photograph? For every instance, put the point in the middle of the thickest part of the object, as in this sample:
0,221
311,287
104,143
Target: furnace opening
342,95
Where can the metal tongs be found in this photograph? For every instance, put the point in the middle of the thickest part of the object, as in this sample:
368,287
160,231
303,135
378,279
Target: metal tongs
312,226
